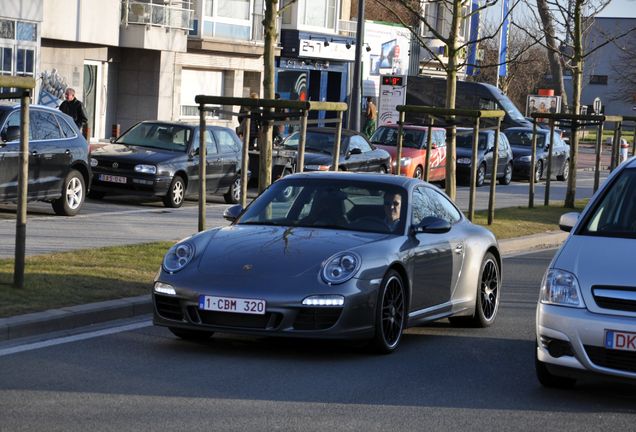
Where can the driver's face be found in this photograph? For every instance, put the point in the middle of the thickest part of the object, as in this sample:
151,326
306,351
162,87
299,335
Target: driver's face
392,205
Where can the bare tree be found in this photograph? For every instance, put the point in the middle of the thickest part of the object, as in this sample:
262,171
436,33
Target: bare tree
573,22
623,67
527,64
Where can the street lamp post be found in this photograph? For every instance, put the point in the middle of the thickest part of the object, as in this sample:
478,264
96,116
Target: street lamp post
354,111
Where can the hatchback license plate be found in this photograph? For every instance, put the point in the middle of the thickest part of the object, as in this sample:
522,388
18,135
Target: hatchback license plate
112,178
232,304
620,340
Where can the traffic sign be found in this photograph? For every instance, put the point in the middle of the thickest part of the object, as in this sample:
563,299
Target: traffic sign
597,106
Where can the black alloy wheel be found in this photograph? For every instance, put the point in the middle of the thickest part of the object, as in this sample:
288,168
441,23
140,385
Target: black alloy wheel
390,314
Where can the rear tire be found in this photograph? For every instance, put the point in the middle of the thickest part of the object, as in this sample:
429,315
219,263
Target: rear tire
73,195
507,177
566,171
176,193
233,196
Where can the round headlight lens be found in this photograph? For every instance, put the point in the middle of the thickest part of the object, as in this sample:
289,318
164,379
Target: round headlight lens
463,161
178,257
341,267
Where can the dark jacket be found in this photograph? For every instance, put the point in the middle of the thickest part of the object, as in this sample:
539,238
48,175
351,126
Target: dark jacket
75,109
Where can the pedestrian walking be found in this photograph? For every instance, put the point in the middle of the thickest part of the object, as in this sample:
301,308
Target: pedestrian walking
74,108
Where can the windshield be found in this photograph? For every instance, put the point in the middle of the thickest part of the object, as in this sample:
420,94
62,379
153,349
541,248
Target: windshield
511,109
465,140
331,204
411,138
157,135
615,215
524,139
315,142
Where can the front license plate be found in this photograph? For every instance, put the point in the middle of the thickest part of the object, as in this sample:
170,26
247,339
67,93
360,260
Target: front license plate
620,340
232,304
112,178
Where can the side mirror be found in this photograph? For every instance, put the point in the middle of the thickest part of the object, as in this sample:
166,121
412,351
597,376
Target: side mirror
568,220
232,213
12,134
432,225
355,151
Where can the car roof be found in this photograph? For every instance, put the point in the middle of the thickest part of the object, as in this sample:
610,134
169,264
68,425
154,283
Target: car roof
521,129
6,105
347,176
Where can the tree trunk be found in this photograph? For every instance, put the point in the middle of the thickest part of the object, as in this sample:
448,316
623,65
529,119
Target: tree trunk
577,81
553,52
269,26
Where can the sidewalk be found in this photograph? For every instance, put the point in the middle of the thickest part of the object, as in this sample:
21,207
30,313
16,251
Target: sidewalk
74,317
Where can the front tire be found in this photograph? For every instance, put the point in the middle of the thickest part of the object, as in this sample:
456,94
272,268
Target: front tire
419,173
382,170
481,175
73,195
176,193
390,314
233,196
546,378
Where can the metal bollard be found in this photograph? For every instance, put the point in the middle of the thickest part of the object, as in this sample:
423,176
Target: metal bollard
115,131
86,132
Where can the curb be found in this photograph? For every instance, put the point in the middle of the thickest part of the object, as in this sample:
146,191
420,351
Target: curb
74,317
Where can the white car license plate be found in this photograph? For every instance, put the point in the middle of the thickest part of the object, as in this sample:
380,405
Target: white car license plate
112,178
620,340
232,304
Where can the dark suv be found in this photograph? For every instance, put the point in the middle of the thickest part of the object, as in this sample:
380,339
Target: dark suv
59,158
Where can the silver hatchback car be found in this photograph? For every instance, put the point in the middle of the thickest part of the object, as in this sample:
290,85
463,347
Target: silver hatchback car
586,315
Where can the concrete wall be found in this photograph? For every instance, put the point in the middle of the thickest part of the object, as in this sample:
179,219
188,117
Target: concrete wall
89,21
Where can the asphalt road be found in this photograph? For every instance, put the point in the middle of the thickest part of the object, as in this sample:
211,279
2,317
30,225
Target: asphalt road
441,378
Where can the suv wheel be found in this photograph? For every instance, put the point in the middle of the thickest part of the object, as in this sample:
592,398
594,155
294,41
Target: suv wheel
73,195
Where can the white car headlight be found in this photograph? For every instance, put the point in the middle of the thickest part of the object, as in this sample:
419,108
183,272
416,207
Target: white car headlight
146,169
94,162
406,161
561,288
524,159
341,267
178,257
463,161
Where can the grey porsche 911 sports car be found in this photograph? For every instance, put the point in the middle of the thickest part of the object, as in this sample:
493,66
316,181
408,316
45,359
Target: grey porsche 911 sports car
349,256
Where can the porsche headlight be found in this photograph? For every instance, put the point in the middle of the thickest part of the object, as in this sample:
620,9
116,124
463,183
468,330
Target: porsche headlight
340,267
146,169
561,288
463,161
178,257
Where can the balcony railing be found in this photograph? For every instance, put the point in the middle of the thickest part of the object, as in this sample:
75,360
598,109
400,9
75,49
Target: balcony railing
135,12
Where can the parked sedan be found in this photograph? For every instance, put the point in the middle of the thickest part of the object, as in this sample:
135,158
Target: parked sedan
485,151
350,256
59,166
414,145
586,314
520,140
155,158
356,154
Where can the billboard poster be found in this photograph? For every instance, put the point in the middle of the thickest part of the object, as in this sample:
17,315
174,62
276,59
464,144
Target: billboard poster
385,52
541,103
392,94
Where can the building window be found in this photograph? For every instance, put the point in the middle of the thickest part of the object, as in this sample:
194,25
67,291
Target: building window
598,79
18,48
321,13
227,19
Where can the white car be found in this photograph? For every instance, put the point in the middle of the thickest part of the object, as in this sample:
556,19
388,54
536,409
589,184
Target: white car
586,315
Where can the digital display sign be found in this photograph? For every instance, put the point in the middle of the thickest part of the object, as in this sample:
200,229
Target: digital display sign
392,80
